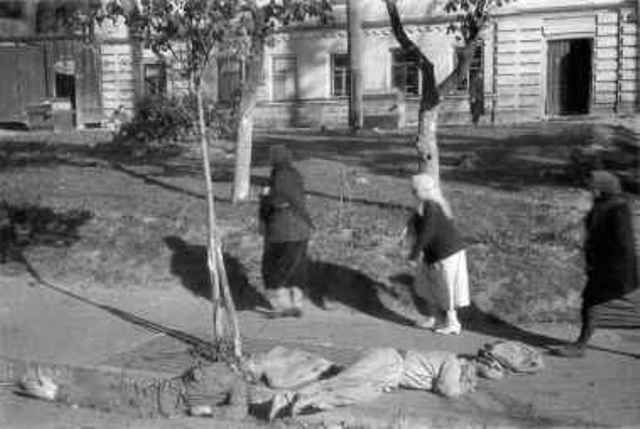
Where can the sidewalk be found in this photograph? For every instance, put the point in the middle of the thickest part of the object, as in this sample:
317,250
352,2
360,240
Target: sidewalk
39,323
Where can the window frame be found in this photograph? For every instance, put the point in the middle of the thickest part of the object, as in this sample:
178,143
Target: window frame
242,71
162,77
476,64
346,75
274,59
405,65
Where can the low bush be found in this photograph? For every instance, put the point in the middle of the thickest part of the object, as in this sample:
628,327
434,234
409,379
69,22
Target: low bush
166,119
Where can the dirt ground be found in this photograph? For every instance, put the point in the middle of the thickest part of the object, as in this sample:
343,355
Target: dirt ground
114,275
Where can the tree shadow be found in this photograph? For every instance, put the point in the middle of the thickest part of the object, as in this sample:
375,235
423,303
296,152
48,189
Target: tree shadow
189,263
479,321
196,342
351,288
28,225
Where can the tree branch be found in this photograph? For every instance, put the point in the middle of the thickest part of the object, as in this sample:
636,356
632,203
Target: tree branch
430,96
472,36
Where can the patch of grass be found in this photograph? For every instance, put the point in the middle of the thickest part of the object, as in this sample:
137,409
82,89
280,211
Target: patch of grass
524,247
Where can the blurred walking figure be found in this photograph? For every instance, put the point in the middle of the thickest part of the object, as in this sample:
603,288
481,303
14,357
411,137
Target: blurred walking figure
400,107
287,227
442,279
476,98
611,298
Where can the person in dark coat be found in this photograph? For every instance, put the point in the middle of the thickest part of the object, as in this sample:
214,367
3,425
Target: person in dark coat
287,227
611,298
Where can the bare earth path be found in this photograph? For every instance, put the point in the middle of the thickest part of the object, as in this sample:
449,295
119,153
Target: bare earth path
39,323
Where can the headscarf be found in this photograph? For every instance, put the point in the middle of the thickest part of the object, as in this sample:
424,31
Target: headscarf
279,155
605,182
428,185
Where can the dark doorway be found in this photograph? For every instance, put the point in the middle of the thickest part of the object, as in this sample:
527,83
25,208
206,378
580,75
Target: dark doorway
569,73
66,87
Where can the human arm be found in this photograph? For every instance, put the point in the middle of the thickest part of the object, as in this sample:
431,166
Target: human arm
423,230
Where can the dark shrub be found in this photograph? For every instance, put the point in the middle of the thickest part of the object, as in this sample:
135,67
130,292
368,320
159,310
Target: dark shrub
162,118
157,118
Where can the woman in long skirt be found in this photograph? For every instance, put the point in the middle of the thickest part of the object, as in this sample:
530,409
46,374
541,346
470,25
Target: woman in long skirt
287,227
442,279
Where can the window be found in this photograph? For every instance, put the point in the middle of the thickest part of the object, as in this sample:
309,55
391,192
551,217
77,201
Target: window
340,75
155,79
11,9
284,78
474,74
231,75
405,72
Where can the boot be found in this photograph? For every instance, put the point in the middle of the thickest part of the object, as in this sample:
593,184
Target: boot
279,299
452,325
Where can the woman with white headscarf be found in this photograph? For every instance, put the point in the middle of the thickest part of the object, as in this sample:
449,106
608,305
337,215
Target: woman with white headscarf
442,279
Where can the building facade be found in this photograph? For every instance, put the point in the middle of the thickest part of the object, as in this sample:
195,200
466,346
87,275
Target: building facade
539,59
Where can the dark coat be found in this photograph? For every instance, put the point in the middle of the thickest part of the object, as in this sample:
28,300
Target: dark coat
612,269
284,211
436,235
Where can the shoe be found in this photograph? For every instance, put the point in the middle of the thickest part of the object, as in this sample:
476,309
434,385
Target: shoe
449,329
570,351
452,325
428,323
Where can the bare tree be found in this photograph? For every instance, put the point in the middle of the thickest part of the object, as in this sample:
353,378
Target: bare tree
191,34
470,17
264,18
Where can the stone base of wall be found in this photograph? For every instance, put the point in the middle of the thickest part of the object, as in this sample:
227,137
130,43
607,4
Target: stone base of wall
334,113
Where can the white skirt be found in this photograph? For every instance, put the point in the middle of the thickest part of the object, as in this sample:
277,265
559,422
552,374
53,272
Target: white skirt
444,283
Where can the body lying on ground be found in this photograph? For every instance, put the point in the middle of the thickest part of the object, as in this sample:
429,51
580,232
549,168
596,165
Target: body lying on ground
375,372
280,382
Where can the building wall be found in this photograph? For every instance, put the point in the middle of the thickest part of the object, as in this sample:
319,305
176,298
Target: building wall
521,59
123,60
315,105
515,64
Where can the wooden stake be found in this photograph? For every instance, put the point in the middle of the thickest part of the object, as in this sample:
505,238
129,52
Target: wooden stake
227,299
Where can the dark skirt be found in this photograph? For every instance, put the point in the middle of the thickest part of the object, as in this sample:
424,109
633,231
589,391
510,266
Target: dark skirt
617,313
284,264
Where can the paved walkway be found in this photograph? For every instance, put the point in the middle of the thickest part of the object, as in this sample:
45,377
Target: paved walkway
124,329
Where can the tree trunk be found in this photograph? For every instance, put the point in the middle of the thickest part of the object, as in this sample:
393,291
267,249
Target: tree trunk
355,41
244,137
427,143
212,262
231,309
244,143
215,260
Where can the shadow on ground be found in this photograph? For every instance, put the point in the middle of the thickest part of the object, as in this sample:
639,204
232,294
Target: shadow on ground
327,281
29,225
333,282
510,159
189,263
476,320
197,343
